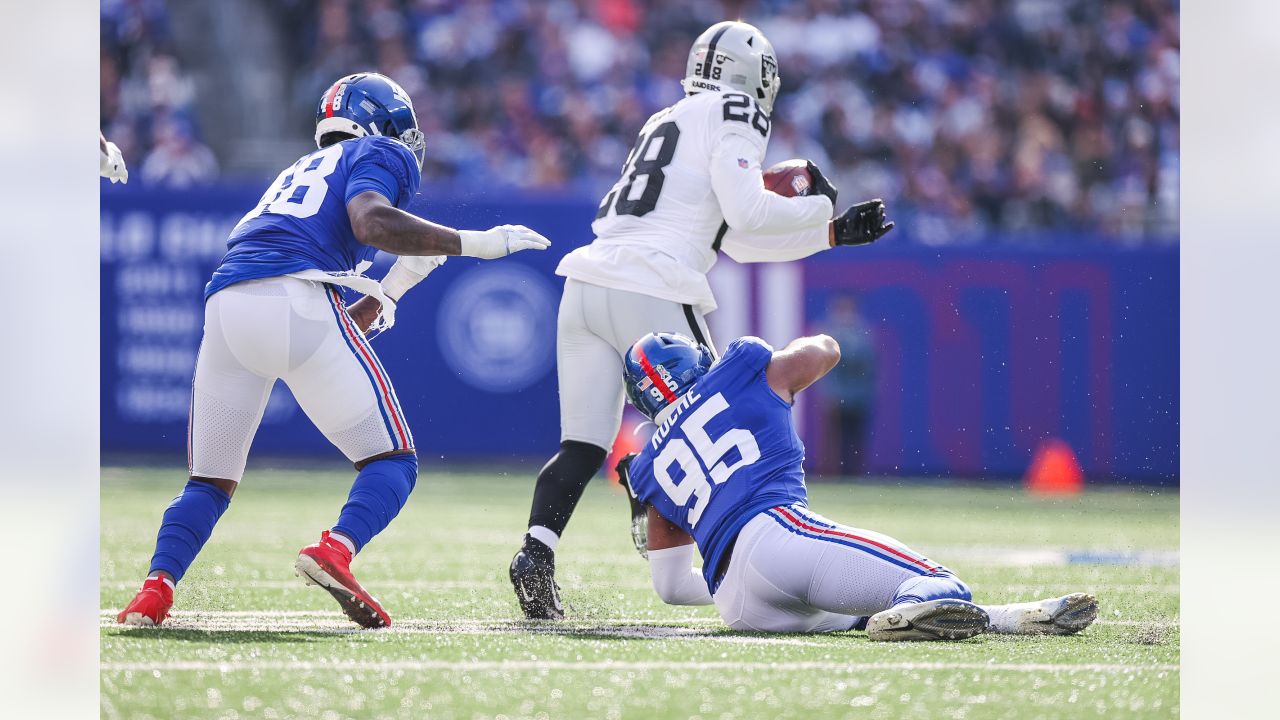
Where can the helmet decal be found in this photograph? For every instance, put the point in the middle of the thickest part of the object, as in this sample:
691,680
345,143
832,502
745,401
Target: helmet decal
711,52
662,383
660,371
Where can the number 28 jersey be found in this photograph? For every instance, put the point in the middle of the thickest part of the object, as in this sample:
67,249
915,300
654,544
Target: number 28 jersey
301,222
657,228
728,452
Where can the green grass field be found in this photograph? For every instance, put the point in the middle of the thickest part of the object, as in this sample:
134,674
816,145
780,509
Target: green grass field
248,639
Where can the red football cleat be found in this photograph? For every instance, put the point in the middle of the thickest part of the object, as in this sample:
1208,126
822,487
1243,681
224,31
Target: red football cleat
150,606
328,564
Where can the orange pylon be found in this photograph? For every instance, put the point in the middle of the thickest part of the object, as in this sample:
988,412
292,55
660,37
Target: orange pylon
631,438
1054,470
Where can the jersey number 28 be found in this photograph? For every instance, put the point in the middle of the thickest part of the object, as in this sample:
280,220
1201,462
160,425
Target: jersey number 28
644,167
299,191
700,451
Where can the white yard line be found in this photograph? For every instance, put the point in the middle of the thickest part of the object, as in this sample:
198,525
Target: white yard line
539,665
325,622
492,586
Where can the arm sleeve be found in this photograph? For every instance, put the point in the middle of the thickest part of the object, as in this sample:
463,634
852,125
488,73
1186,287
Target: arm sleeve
746,205
753,352
385,167
758,247
675,578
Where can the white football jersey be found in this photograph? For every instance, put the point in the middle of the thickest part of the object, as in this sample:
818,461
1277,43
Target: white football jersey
659,228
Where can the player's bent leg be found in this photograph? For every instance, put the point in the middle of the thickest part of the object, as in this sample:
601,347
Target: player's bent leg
227,400
379,492
765,585
858,573
1064,615
591,398
341,385
186,526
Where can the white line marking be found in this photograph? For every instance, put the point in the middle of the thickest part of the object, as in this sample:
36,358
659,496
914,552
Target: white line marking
588,588
542,665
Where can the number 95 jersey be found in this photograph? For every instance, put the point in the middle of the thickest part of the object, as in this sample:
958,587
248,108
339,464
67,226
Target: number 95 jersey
728,452
301,222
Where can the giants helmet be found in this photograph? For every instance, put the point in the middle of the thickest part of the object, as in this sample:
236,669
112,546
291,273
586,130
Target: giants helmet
733,55
370,104
660,368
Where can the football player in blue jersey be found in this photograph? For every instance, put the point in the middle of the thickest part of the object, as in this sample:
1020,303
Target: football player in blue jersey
723,473
273,311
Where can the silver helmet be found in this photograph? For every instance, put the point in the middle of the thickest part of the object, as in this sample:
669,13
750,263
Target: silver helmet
733,55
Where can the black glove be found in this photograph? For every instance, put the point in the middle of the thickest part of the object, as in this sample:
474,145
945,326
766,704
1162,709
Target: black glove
861,224
820,182
639,511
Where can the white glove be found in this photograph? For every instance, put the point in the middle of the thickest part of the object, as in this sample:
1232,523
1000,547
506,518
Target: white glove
111,164
409,270
500,241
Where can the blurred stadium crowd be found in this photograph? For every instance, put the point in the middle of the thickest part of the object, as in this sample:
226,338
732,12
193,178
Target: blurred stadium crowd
982,118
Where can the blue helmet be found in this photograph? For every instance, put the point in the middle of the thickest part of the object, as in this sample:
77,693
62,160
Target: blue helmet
660,368
370,104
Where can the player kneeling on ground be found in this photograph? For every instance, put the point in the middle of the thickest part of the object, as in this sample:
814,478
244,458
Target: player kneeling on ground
723,473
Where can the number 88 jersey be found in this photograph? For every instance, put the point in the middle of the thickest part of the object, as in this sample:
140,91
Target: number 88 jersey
727,452
301,221
658,228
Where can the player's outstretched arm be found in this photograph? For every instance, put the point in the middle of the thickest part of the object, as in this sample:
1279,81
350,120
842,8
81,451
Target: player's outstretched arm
800,364
377,223
671,556
737,180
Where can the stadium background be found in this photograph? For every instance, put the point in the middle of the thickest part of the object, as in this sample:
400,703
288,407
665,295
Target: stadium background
1028,150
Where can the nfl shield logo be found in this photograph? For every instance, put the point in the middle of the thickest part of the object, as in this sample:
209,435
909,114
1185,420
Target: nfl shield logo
742,163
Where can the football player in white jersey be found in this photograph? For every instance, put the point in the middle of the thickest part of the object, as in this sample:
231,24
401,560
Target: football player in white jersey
691,188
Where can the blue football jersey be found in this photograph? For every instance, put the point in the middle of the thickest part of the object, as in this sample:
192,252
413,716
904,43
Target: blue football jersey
301,221
728,452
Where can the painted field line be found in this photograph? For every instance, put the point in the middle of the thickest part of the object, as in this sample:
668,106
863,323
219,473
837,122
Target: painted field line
1054,557
276,619
422,584
274,615
540,665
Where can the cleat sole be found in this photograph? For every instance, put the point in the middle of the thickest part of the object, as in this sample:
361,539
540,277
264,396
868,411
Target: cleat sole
934,620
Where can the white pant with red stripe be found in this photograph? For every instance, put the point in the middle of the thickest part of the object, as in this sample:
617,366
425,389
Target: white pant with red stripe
793,570
298,331
594,329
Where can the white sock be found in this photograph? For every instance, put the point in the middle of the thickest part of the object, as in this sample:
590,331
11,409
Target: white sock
1006,618
545,535
346,541
167,580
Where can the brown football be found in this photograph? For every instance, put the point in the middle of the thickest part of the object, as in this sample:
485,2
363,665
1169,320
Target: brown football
789,178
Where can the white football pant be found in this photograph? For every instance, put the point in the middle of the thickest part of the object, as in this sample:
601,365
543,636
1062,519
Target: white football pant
595,328
793,570
258,331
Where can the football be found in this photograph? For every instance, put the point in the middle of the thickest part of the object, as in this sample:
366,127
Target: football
789,178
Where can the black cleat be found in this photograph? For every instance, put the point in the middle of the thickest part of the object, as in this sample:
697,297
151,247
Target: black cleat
533,575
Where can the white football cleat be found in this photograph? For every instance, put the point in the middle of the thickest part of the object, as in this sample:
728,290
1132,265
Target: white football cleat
1064,615
948,619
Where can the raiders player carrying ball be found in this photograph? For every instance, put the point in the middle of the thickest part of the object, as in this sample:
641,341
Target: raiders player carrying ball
691,187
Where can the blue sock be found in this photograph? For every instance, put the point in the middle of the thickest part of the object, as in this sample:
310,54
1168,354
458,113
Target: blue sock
377,495
931,587
188,522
